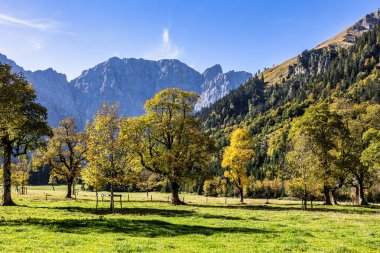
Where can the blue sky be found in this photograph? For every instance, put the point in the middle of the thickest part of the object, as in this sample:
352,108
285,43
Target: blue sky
74,35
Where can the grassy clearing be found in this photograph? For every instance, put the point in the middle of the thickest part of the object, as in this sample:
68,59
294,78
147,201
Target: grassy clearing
37,225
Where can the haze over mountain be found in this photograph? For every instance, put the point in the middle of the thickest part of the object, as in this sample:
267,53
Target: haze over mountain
128,82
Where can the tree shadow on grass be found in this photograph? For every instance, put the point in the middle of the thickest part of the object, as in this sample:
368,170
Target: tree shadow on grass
224,217
138,228
127,211
319,208
143,211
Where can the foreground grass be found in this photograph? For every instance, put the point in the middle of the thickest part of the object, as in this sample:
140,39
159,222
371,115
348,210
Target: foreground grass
59,225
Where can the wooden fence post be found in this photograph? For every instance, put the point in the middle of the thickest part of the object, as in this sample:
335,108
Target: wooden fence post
96,202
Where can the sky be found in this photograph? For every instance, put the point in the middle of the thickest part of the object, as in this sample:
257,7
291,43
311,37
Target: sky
73,35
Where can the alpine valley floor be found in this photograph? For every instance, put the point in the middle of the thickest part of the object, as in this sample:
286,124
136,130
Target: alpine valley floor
150,224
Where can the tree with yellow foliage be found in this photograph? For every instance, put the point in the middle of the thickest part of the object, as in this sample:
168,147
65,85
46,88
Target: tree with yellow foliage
304,168
236,158
168,140
20,173
23,123
107,155
63,153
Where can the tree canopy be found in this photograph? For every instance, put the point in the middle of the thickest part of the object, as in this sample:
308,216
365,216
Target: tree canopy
22,122
63,153
168,139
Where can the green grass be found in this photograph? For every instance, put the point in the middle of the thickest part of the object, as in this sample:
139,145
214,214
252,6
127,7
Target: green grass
60,225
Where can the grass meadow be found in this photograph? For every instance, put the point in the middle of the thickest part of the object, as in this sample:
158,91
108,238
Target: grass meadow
151,224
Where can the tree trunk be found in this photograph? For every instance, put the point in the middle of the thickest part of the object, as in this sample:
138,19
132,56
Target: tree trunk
112,204
175,196
241,194
200,187
69,186
362,200
282,187
326,192
304,203
7,197
334,197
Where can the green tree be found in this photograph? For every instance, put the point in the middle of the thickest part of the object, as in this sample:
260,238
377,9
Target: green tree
108,159
305,176
322,128
22,123
236,158
371,155
359,119
147,180
277,153
21,172
168,140
63,153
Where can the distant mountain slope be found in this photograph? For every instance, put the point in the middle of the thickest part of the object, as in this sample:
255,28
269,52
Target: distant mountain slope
344,39
53,91
332,74
314,75
217,84
128,82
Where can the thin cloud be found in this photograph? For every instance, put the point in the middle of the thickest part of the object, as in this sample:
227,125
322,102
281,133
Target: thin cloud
165,36
36,44
42,25
166,49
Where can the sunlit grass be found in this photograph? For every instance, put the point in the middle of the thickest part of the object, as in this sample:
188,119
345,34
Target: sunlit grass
37,225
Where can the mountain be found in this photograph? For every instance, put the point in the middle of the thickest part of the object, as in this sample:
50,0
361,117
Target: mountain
346,69
344,39
128,82
217,84
53,91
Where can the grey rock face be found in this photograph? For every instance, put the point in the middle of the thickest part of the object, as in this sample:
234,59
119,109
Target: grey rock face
129,83
363,25
217,84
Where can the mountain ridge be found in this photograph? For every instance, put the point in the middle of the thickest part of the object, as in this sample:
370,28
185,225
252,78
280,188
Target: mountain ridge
126,81
343,39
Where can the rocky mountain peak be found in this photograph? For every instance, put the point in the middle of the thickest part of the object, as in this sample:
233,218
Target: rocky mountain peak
212,72
363,25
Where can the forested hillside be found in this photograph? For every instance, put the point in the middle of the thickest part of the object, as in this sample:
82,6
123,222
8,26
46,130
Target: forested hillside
320,75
